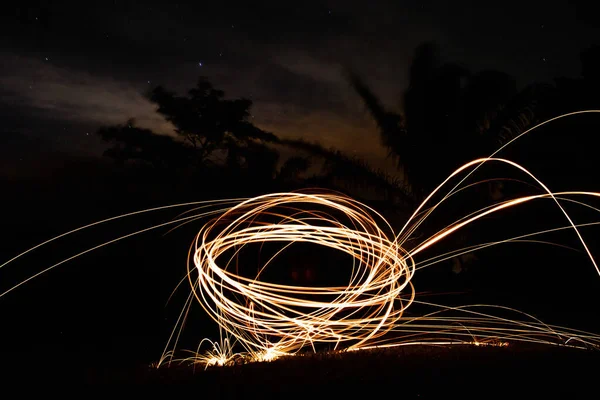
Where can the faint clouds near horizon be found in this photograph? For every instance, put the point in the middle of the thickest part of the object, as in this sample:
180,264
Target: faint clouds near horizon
60,93
62,106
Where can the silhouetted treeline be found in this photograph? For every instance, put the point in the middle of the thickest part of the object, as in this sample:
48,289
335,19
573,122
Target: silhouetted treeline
218,149
449,116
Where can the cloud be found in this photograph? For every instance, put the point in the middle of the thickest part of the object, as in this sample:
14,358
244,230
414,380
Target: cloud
59,93
295,96
355,135
303,64
305,95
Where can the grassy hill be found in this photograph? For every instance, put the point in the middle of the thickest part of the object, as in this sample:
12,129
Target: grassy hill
407,372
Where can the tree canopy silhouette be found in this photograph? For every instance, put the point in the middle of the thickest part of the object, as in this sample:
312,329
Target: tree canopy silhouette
450,116
215,134
142,145
208,127
207,120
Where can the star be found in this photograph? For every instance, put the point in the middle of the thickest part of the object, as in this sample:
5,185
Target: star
199,64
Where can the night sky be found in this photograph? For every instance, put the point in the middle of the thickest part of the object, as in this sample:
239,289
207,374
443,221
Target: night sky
68,68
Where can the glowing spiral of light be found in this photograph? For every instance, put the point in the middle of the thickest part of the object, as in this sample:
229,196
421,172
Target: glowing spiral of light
271,319
278,318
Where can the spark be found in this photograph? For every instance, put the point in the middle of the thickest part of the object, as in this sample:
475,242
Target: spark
272,320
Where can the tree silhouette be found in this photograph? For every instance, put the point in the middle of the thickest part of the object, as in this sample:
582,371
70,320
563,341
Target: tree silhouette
215,135
339,168
144,146
207,121
211,131
293,167
450,116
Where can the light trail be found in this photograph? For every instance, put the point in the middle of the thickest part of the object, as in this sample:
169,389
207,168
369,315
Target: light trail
270,320
250,310
373,297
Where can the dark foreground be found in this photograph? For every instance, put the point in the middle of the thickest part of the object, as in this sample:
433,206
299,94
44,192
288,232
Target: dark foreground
407,372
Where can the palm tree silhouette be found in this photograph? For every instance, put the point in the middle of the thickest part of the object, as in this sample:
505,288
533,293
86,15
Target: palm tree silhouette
214,133
450,116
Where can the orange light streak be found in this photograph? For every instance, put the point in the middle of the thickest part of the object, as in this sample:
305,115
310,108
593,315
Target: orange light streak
270,320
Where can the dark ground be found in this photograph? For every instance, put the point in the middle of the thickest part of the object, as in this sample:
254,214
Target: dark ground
66,308
408,372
